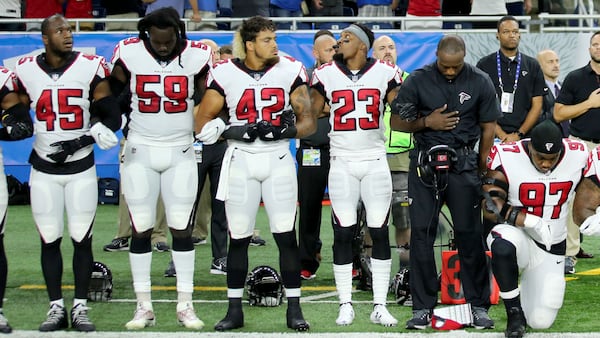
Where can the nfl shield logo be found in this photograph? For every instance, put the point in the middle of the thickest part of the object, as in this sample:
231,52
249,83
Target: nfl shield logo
55,76
256,76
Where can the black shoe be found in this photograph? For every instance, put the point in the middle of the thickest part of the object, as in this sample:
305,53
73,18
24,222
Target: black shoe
257,241
481,319
219,266
295,319
233,320
170,272
199,241
4,327
117,244
80,320
161,247
515,323
420,320
56,319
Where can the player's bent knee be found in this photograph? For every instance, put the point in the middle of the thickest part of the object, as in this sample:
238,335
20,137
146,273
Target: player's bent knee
553,290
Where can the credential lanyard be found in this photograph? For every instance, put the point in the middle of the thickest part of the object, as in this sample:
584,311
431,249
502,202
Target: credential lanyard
500,84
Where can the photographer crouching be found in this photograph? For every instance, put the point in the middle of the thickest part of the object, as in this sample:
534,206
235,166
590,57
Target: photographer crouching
450,107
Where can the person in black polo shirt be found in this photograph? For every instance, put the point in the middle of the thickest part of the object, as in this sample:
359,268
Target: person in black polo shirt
448,106
518,80
579,99
313,168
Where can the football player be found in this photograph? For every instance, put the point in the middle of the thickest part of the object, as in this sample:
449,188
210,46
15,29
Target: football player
70,95
268,103
164,71
527,190
17,125
356,88
586,206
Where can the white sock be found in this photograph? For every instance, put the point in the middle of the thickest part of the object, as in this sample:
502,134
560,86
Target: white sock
343,282
235,293
59,302
380,269
77,301
184,266
141,265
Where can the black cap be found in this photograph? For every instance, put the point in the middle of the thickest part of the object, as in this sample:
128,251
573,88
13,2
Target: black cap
546,138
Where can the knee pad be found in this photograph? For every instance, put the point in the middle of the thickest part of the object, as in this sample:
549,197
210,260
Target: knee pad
342,244
141,242
182,243
400,216
503,248
381,243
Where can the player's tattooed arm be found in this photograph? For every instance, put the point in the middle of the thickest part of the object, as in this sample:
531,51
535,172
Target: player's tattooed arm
306,117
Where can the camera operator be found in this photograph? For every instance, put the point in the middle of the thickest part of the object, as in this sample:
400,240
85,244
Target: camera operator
449,106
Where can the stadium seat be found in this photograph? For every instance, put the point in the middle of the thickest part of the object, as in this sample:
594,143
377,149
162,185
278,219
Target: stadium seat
348,11
332,25
224,13
379,25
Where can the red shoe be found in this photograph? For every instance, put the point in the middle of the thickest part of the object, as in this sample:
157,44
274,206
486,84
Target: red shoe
355,274
307,275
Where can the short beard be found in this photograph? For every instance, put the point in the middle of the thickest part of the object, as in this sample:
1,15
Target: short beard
595,59
272,61
339,57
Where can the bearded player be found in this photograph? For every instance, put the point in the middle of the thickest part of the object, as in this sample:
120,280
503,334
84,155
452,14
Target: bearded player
356,88
164,71
527,191
70,95
268,103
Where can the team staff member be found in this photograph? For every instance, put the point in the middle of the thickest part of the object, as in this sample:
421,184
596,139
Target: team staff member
518,80
397,145
264,93
312,157
17,125
447,103
357,88
164,70
528,189
68,92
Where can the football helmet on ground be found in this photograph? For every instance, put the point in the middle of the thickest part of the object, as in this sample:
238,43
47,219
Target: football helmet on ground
101,285
264,287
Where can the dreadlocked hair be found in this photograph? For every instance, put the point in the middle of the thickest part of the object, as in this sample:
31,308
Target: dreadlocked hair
163,18
248,31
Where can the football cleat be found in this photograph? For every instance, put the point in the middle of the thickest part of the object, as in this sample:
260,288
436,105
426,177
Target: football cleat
381,315
56,319
141,318
80,320
345,315
4,326
187,317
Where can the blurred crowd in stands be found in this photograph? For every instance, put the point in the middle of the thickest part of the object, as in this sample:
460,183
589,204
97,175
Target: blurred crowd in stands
197,10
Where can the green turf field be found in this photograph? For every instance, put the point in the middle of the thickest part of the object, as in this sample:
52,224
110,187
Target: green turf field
26,303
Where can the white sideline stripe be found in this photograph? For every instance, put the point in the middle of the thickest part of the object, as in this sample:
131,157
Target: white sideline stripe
290,334
216,301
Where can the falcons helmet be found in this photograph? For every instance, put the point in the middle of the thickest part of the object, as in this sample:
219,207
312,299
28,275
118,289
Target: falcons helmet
264,287
101,285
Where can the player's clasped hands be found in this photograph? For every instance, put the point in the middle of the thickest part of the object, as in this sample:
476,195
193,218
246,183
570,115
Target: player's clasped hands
591,225
441,120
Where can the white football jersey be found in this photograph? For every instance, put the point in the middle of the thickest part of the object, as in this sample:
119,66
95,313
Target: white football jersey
544,195
593,168
8,81
60,98
253,96
162,92
357,104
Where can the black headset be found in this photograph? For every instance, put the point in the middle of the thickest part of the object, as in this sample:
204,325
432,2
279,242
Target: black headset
436,159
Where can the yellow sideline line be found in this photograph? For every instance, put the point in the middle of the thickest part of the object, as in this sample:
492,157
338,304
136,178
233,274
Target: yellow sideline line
173,288
592,272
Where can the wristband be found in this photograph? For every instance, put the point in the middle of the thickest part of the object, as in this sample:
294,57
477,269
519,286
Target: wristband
512,216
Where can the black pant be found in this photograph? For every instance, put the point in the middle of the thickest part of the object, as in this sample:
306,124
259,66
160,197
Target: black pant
212,158
312,181
461,195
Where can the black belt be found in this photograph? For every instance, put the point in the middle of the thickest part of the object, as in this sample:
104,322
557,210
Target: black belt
593,140
308,145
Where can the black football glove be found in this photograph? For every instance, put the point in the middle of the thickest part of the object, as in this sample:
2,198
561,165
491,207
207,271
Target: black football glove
65,149
247,133
17,130
269,132
407,111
